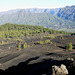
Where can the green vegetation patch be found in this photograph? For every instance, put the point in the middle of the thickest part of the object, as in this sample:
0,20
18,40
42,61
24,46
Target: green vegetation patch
14,30
69,46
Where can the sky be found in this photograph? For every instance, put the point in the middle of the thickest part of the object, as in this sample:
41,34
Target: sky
16,4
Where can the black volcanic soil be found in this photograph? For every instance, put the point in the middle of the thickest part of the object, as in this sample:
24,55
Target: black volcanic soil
36,60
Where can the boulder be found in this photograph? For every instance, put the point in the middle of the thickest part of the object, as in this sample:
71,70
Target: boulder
70,59
69,62
59,70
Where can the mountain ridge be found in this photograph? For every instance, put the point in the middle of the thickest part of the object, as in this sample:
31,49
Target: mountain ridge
67,13
45,17
31,10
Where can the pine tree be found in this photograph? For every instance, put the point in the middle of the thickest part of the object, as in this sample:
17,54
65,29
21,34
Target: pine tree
25,45
69,46
19,46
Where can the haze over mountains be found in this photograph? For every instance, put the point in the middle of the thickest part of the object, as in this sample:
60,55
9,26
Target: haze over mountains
59,18
32,10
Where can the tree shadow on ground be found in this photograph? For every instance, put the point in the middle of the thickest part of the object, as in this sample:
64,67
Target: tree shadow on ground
62,47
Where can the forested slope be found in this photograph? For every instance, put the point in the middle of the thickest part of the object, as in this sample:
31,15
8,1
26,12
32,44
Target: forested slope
14,30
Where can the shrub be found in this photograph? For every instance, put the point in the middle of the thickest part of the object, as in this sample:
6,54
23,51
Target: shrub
25,45
47,41
69,46
2,42
41,42
19,46
8,47
54,44
49,36
28,46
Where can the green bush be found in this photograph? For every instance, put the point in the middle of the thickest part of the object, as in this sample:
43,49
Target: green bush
41,42
47,41
25,45
49,36
69,46
19,46
8,47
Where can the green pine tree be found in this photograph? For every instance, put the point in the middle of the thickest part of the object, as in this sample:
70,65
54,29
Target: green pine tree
69,46
19,46
25,45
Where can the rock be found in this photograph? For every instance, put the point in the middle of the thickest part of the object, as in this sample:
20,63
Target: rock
69,62
59,70
70,59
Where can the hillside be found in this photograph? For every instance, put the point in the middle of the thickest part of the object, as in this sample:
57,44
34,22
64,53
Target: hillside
67,13
33,50
9,12
58,19
40,10
14,30
32,10
43,19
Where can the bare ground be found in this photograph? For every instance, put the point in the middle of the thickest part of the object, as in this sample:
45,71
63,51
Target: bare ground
37,59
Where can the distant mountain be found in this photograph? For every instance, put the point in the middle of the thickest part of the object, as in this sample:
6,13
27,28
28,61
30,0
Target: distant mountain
67,13
40,10
9,12
50,18
32,10
44,19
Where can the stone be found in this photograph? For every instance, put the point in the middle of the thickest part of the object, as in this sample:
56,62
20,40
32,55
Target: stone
70,59
59,70
69,62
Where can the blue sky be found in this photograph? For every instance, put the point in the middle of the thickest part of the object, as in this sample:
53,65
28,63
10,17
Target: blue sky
15,4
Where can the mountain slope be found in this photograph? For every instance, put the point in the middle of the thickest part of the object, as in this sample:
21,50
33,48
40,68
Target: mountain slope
40,10
9,12
67,13
44,19
31,10
59,19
